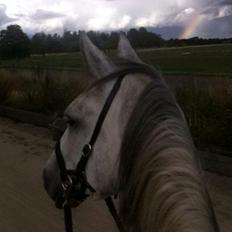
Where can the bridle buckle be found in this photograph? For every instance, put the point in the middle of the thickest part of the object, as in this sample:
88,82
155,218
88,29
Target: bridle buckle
67,184
87,149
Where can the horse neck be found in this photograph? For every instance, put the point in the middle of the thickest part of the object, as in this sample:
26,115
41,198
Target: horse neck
161,182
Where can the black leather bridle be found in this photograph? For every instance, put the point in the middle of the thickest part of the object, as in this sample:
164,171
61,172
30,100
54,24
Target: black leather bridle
74,184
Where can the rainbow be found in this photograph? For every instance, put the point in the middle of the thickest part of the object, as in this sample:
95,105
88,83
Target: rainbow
191,27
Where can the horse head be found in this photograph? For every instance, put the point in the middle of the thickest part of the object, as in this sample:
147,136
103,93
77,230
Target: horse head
81,117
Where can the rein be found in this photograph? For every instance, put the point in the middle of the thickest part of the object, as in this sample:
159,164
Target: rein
74,184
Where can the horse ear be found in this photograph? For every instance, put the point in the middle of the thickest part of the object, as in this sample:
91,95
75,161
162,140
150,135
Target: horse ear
99,64
125,50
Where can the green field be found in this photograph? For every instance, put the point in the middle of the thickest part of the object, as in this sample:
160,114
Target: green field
206,102
195,60
206,60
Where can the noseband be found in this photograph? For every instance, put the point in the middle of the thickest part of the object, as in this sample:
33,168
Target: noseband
74,183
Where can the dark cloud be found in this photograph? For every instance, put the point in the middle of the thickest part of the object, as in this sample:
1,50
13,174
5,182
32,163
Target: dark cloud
20,15
44,15
167,32
223,2
215,28
215,8
218,3
4,19
218,27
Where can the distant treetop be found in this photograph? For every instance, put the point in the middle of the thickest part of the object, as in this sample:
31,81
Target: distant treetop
14,43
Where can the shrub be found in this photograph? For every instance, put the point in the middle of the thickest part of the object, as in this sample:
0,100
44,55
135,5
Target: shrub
44,93
14,43
209,117
6,86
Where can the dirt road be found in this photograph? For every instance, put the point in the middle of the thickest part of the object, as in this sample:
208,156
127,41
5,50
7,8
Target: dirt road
25,206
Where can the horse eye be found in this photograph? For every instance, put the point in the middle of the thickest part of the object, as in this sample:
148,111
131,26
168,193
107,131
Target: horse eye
69,121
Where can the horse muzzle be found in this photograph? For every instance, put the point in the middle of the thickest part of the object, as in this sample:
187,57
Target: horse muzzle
71,192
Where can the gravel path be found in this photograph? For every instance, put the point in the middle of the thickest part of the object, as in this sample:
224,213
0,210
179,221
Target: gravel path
25,206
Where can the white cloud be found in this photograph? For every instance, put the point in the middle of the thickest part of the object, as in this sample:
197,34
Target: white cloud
57,15
121,23
124,21
189,11
142,22
4,18
185,15
45,14
102,17
97,14
225,11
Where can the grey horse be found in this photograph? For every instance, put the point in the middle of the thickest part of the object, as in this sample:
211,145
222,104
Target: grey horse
144,151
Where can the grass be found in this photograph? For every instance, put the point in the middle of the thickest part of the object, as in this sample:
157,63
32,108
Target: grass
207,102
192,60
209,118
203,60
69,61
39,91
7,84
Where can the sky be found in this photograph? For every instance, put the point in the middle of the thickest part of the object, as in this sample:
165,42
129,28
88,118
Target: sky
172,18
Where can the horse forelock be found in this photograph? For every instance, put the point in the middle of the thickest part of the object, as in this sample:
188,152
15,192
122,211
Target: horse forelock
160,176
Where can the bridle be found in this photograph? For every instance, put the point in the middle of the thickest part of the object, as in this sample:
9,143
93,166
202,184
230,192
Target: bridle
74,183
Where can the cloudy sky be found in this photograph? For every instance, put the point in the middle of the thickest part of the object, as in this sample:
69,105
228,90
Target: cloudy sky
178,18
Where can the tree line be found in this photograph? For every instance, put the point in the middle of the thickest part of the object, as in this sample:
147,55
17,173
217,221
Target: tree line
14,43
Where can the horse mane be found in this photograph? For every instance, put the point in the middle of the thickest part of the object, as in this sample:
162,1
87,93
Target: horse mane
160,177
